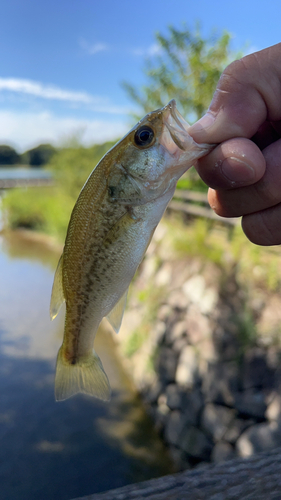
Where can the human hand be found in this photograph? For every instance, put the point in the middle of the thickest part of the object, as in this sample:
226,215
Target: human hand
244,170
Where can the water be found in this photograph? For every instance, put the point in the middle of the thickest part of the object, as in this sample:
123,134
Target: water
23,173
68,449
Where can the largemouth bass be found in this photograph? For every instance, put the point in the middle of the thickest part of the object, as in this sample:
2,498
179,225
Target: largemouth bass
109,231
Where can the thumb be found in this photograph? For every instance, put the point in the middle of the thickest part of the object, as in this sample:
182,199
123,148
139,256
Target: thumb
247,94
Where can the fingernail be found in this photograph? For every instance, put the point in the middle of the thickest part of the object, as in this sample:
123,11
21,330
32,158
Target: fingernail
237,170
206,121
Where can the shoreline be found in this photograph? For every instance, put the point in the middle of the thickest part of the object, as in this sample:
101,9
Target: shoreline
35,236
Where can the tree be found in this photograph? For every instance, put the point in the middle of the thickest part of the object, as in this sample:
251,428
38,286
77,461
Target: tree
8,155
187,68
39,156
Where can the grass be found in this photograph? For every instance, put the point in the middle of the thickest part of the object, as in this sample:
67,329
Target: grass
226,247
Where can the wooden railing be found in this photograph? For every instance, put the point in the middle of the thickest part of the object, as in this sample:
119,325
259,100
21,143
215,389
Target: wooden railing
195,203
255,478
22,183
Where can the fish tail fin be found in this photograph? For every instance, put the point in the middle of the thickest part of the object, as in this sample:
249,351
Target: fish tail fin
86,376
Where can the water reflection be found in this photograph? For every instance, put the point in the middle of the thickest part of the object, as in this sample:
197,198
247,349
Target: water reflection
60,450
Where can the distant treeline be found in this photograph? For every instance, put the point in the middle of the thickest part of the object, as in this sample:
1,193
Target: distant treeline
35,157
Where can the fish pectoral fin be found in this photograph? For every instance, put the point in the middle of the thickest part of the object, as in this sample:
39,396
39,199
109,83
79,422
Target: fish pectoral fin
120,227
86,376
57,298
116,315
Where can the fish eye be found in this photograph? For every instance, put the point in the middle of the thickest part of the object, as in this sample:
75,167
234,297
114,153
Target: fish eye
144,136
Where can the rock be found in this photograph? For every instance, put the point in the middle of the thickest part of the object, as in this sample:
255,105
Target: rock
194,442
192,404
183,270
222,451
178,330
159,332
174,428
194,288
179,458
174,396
221,382
250,403
197,326
273,411
255,371
207,355
260,437
236,428
164,312
163,409
178,300
269,322
166,364
179,344
178,421
226,338
160,415
163,275
152,393
149,267
216,419
273,358
196,291
187,368
209,300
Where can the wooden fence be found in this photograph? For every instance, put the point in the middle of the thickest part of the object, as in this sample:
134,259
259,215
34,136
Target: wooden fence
195,203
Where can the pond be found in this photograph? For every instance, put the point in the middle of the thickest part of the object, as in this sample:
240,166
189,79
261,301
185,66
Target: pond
72,448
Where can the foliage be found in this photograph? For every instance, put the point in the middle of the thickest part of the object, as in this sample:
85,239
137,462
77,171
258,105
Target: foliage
191,180
71,166
186,68
45,209
226,247
38,156
48,209
8,155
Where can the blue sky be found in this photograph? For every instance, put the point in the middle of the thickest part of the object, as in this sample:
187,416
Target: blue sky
63,61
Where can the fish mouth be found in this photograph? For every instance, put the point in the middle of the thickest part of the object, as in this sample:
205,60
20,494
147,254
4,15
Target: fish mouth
176,126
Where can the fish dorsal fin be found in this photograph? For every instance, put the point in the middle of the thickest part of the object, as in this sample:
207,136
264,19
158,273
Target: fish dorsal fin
57,297
116,315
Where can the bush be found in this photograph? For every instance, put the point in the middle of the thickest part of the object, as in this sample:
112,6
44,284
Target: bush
38,156
8,155
48,209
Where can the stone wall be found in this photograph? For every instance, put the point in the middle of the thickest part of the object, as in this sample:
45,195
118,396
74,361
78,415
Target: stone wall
211,383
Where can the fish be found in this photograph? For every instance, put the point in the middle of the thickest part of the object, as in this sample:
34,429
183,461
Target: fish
110,228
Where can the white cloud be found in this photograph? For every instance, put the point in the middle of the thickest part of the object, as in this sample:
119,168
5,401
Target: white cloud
99,104
38,89
93,48
152,50
26,130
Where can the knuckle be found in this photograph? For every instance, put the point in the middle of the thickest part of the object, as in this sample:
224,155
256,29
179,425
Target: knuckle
259,229
232,78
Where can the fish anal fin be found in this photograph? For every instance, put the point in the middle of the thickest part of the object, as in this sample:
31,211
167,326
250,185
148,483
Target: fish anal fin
116,314
86,376
57,297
